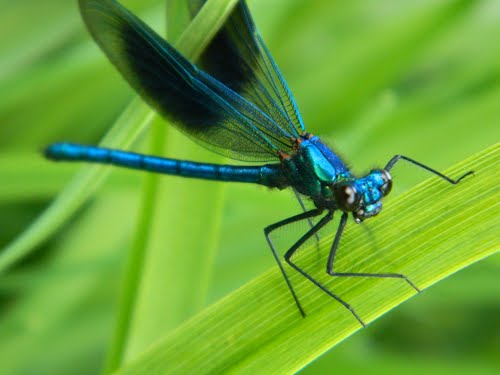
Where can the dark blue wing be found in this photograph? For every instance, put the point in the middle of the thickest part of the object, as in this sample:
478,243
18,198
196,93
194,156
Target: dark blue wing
238,57
199,105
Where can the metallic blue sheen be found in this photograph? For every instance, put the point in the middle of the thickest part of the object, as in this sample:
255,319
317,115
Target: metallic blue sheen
327,166
268,175
370,190
235,103
332,157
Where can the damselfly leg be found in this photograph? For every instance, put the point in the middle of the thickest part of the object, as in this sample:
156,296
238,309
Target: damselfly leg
269,229
309,220
333,252
289,254
396,158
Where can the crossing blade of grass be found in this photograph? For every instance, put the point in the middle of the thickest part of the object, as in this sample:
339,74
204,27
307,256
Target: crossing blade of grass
430,232
166,281
127,128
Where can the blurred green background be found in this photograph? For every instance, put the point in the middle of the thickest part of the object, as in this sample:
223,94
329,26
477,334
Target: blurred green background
372,78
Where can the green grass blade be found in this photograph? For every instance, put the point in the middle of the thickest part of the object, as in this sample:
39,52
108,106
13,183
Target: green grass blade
26,177
427,233
167,282
126,129
135,262
204,27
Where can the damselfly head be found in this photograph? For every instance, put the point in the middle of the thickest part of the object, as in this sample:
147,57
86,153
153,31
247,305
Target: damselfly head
363,196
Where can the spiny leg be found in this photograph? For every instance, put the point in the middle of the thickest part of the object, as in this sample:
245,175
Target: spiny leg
396,158
309,220
328,217
279,224
333,252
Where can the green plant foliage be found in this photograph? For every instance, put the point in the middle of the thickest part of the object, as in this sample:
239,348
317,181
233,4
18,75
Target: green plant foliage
153,269
100,265
258,329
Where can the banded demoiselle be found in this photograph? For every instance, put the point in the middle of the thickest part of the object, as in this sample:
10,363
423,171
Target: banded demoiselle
238,106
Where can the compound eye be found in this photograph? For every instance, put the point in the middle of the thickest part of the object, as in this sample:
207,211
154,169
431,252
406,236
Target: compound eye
348,198
387,186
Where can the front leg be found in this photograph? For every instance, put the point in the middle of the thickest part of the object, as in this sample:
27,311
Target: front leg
396,158
333,252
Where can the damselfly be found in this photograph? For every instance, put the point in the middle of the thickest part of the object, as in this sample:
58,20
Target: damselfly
238,106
